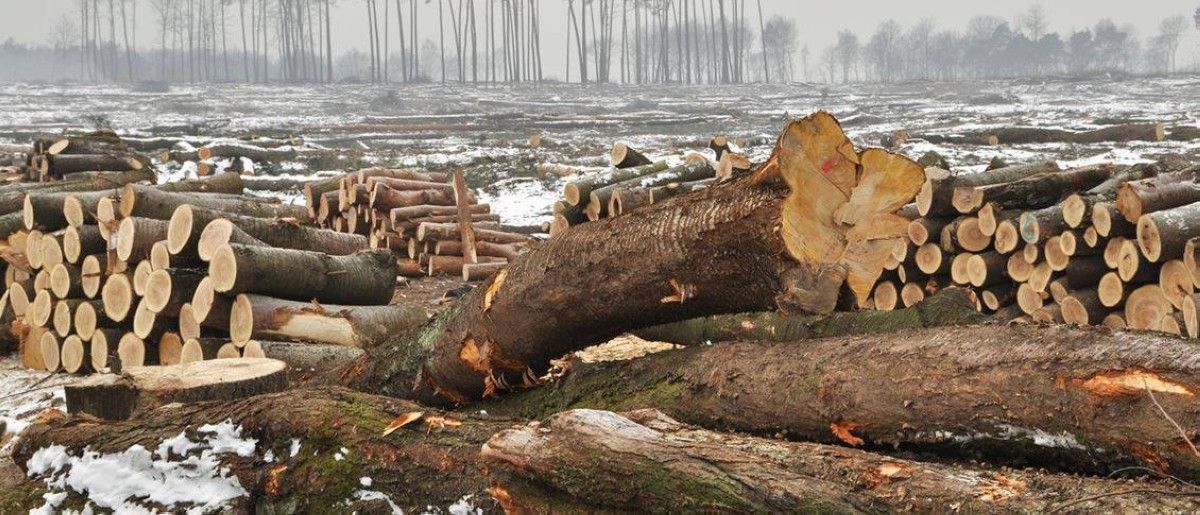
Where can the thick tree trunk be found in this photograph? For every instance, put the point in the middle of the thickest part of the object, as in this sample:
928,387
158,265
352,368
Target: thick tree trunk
645,461
1139,197
1052,396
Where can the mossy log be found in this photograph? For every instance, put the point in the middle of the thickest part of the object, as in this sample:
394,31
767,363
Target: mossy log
434,461
950,306
324,441
1055,396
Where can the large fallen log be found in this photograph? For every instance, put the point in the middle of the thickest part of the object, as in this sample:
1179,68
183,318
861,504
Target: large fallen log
751,244
645,461
1078,398
315,450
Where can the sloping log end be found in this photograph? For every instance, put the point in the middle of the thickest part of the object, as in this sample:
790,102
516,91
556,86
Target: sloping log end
137,389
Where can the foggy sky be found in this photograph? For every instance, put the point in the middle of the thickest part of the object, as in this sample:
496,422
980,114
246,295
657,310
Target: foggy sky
818,21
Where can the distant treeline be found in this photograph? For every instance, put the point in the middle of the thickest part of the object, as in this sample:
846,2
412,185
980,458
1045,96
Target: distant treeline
607,41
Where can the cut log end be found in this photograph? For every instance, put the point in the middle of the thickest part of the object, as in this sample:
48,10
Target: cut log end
202,298
241,319
214,235
74,354
117,296
223,269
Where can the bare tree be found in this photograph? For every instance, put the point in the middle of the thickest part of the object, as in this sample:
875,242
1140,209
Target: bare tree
1171,33
1033,22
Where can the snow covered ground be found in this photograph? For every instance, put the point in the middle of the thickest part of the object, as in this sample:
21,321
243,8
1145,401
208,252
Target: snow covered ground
485,130
25,394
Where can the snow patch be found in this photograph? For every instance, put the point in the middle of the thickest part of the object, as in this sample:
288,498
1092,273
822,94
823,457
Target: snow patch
372,495
181,474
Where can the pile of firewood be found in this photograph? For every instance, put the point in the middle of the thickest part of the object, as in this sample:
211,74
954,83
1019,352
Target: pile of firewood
1093,245
431,218
634,181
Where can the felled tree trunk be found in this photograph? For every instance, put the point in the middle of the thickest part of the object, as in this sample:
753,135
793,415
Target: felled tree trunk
1052,396
717,250
645,461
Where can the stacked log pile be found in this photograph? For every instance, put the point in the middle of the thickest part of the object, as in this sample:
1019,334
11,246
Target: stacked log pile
634,181
431,220
105,273
1102,244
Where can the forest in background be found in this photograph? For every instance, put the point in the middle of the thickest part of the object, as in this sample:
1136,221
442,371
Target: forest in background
608,41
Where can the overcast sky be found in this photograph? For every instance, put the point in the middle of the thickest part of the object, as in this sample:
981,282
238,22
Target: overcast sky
818,21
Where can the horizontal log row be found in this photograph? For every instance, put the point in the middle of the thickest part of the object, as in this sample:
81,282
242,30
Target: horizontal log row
421,217
635,181
1089,246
